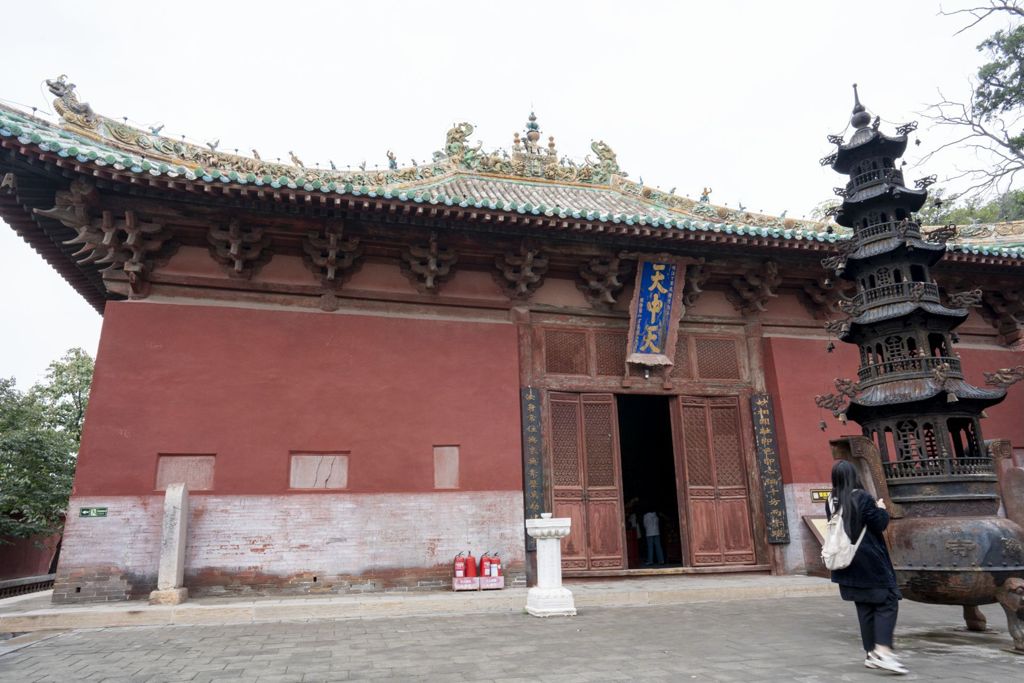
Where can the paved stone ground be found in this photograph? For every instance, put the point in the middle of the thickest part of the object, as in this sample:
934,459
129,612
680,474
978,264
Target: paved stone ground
805,639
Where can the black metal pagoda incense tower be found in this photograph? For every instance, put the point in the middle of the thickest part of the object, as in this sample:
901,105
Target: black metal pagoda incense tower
913,401
921,421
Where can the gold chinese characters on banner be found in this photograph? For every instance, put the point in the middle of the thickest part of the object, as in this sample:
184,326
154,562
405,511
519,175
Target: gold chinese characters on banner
656,309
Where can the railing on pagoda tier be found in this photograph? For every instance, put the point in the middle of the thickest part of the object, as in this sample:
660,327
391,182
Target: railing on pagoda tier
934,467
907,368
897,293
887,230
874,177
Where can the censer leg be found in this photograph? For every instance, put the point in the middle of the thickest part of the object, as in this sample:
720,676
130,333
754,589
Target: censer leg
974,619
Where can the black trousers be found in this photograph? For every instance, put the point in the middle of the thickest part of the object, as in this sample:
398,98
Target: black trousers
878,621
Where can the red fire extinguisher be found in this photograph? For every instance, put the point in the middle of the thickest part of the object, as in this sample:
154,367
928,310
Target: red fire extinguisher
485,565
470,564
460,566
495,565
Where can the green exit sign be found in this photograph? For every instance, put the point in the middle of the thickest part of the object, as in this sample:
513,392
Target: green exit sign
92,512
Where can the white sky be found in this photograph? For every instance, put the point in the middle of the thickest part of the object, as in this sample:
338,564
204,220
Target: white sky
734,95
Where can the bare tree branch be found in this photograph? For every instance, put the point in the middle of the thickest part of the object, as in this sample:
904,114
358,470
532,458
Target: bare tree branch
982,13
981,137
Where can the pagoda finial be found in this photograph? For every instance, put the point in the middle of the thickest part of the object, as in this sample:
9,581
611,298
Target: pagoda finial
861,118
532,134
532,124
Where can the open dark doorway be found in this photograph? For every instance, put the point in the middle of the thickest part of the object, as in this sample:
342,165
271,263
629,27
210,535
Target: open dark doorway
648,476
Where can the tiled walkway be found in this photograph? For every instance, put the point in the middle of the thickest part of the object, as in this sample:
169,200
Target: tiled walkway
795,639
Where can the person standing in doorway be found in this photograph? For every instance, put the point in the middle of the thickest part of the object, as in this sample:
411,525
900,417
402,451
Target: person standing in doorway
869,582
653,534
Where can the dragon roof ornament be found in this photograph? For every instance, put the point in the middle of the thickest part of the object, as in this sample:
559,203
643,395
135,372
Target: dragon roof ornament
527,161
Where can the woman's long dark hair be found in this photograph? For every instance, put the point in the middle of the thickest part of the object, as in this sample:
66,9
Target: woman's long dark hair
844,480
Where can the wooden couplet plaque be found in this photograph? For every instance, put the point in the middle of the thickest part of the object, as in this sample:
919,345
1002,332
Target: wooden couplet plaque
533,472
768,466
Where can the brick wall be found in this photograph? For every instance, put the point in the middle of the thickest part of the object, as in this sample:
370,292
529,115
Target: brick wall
293,543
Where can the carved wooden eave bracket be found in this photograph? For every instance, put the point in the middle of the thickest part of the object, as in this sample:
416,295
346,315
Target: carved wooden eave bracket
330,256
603,278
9,183
428,265
73,207
124,244
822,297
521,273
697,274
242,250
1004,309
749,293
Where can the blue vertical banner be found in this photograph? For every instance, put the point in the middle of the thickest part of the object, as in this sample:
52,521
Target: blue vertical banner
655,311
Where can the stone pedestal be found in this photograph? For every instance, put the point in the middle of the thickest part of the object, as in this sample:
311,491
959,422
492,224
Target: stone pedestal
171,576
548,598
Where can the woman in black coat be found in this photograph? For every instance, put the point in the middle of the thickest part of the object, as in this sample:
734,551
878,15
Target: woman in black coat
869,582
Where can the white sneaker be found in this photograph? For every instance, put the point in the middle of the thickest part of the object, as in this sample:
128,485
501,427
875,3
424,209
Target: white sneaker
869,661
888,662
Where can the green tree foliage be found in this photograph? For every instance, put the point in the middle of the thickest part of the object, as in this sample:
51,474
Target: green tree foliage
65,392
941,209
1000,88
39,436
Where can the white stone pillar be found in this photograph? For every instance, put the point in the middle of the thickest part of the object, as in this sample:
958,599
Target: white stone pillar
169,589
548,598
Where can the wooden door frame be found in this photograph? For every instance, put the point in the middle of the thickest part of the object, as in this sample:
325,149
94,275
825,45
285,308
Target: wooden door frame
682,499
748,335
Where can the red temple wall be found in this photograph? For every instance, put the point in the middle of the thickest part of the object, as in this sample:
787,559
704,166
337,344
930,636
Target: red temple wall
796,370
250,386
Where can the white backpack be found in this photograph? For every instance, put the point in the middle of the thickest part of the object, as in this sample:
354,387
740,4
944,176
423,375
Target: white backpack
837,551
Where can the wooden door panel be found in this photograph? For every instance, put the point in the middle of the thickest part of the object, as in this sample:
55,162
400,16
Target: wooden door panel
717,496
735,519
574,546
705,545
605,526
567,475
731,479
586,479
702,519
604,534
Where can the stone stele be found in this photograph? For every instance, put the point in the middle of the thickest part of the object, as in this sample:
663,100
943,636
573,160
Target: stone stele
548,598
169,589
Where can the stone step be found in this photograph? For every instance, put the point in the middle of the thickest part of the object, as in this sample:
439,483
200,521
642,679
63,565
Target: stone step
39,614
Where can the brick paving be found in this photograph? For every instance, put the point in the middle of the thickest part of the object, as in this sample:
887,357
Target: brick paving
803,639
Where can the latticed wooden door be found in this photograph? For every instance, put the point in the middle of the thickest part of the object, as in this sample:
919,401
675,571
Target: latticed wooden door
587,479
716,490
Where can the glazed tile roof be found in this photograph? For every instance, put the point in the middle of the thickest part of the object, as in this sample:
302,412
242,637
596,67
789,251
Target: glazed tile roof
533,180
